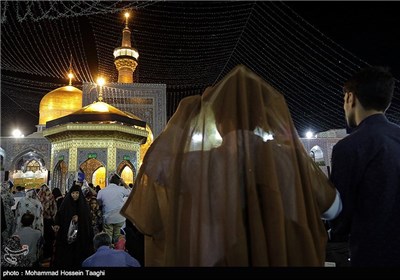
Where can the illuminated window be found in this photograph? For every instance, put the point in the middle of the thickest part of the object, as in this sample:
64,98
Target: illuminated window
33,166
127,175
99,177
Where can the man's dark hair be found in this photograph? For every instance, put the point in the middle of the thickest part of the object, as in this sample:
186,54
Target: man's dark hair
115,179
101,239
373,87
27,219
19,188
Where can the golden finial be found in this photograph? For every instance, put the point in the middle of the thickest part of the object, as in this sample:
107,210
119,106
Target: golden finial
100,83
126,19
70,76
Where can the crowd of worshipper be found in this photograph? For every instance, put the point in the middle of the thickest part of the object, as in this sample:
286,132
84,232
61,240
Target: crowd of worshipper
229,183
42,227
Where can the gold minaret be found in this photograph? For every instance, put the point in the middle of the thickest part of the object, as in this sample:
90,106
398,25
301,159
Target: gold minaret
125,57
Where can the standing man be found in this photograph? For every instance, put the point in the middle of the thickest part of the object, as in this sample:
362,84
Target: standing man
366,171
112,198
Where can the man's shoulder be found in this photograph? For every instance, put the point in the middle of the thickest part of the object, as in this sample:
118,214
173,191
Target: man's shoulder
110,186
346,143
357,136
105,189
93,257
127,256
393,128
28,231
87,262
32,230
37,232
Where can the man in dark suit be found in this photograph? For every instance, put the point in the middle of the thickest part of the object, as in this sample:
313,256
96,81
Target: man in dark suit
366,171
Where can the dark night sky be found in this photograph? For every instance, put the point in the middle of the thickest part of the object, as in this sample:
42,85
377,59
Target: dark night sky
368,29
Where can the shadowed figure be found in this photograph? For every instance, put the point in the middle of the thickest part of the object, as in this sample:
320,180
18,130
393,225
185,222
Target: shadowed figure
69,251
228,183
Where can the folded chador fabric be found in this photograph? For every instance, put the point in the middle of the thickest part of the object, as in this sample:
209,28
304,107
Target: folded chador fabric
228,183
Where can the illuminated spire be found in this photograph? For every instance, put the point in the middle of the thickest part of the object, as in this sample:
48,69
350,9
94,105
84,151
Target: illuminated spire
125,57
126,19
70,74
101,82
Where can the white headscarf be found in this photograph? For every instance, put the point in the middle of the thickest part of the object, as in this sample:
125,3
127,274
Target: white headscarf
29,203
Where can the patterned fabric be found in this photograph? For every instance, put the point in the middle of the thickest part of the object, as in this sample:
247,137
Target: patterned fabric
96,215
8,202
31,204
13,254
48,202
33,239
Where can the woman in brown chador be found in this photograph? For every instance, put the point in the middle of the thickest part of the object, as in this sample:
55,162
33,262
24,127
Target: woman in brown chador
229,183
96,215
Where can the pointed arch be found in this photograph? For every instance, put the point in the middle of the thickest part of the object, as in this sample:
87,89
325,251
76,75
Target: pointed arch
60,176
318,155
99,177
89,167
32,165
20,159
127,171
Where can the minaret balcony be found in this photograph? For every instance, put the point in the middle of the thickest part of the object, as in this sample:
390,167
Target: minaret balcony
125,52
125,63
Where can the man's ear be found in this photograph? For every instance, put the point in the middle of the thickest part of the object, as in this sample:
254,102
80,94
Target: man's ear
352,99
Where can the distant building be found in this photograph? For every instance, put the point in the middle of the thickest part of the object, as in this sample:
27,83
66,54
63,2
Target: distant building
320,147
31,161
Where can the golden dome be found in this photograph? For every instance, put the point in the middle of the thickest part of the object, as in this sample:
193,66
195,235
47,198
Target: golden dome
59,102
99,107
97,112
